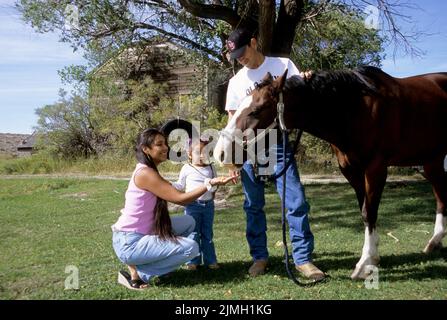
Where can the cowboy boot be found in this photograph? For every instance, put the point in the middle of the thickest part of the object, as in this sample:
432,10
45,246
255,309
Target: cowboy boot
310,271
258,268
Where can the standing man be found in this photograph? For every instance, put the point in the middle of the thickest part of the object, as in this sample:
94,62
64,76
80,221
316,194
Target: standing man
242,45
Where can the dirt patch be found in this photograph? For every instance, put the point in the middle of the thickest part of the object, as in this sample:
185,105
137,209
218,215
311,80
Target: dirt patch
78,195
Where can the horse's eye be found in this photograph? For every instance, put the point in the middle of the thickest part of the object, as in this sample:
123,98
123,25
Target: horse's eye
255,112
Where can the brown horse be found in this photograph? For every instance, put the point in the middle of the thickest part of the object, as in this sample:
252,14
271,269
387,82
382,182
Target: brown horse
372,121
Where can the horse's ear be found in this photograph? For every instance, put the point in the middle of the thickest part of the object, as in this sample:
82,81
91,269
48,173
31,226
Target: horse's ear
280,81
267,78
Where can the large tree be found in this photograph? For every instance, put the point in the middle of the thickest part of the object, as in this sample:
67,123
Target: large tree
199,24
329,35
336,38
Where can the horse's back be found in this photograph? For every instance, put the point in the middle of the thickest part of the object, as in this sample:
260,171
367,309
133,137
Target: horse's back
434,83
412,116
424,114
431,83
425,93
416,102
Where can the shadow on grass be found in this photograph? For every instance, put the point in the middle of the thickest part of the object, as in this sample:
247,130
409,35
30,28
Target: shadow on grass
413,266
230,272
235,271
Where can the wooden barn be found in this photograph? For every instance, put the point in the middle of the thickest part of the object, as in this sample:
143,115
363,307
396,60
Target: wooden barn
181,70
27,146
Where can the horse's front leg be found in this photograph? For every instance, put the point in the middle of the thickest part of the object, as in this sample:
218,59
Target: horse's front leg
354,174
375,178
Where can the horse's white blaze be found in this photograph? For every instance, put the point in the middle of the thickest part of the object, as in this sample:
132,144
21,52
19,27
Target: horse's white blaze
370,254
224,143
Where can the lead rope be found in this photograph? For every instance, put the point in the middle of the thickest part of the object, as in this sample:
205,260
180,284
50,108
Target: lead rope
282,127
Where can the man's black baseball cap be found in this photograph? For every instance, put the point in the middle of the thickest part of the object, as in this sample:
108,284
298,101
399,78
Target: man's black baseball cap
238,41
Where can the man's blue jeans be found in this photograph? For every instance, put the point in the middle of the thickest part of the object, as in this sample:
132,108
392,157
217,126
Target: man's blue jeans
203,214
297,210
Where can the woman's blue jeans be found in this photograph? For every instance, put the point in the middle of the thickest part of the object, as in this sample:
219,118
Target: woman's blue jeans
153,256
203,214
297,210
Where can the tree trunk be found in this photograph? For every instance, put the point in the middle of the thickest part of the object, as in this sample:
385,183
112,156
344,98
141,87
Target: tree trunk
290,14
275,39
267,15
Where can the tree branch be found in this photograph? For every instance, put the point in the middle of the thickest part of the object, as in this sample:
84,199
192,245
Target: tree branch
193,44
211,11
390,10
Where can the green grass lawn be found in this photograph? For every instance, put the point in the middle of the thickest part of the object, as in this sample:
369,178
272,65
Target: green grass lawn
49,224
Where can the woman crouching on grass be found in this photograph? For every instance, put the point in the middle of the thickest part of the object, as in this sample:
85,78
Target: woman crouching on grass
145,237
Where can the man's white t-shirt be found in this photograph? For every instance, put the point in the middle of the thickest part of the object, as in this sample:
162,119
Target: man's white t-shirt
243,82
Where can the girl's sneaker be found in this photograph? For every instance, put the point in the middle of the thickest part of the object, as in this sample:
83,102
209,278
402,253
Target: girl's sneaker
214,266
191,267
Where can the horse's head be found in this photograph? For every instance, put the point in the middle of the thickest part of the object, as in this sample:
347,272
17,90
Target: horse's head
256,111
262,110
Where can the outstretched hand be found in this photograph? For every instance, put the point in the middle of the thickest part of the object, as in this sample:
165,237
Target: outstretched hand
220,181
234,174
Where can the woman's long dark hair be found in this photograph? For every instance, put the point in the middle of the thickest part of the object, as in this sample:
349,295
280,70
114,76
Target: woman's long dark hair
163,226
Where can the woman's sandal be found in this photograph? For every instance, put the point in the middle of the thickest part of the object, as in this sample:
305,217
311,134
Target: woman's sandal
125,279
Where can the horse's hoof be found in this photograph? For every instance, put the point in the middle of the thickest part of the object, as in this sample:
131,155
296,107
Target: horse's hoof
364,270
356,275
430,247
360,274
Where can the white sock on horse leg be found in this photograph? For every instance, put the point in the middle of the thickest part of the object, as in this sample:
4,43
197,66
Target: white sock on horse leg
440,228
370,245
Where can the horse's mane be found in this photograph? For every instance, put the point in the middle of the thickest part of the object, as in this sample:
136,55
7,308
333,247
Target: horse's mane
360,81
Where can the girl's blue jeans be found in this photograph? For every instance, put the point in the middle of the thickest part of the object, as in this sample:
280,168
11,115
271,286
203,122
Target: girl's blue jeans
203,214
153,256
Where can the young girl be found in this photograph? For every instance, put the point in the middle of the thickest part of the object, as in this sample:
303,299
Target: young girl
192,175
145,238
